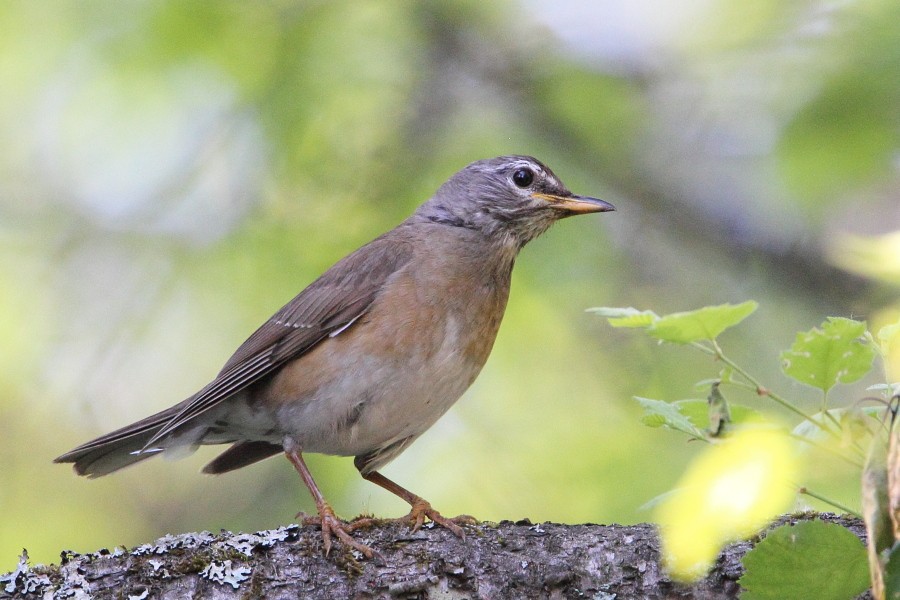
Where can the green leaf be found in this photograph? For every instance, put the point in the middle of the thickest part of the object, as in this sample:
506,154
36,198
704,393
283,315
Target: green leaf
625,317
703,324
813,559
665,414
833,354
892,574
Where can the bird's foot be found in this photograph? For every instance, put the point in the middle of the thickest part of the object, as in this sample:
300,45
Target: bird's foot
332,526
421,508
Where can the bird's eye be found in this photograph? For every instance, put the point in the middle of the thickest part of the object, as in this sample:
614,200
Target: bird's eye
523,177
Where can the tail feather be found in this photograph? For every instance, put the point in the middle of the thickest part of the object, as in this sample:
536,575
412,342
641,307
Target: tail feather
240,455
119,448
129,445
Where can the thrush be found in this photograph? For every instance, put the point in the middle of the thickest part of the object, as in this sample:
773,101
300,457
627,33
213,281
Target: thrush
374,351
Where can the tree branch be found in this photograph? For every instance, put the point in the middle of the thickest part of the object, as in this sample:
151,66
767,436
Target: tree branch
498,561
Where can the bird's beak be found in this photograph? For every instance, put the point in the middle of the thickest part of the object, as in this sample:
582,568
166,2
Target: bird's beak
576,205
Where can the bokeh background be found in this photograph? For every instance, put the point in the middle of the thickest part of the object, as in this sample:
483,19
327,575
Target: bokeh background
171,173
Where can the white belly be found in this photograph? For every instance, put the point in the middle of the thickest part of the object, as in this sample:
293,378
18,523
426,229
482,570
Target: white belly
375,401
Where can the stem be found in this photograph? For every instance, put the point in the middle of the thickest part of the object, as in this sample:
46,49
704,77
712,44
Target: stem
716,351
825,409
704,348
807,492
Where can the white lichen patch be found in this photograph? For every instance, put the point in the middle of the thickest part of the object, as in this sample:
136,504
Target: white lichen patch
23,580
171,542
245,543
224,572
35,582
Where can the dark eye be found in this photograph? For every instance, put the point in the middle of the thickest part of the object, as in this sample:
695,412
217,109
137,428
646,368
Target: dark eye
523,177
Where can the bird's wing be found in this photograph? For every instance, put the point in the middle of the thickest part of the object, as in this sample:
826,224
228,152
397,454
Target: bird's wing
326,308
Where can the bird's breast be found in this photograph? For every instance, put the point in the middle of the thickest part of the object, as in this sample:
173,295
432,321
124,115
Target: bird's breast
395,371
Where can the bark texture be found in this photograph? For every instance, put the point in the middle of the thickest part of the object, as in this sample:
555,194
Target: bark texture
501,561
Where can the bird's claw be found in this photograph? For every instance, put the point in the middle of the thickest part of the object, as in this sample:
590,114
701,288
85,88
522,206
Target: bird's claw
331,525
422,508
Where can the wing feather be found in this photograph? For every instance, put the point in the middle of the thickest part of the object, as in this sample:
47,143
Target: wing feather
331,303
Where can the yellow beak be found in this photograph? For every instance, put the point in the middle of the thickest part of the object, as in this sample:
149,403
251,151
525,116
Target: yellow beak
576,205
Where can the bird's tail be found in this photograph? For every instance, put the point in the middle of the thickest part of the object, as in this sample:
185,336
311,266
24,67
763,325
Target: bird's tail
119,448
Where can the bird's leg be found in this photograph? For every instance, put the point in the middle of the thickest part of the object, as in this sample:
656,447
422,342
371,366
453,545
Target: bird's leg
421,508
329,522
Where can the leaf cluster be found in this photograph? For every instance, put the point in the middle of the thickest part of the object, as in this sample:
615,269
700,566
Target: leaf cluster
799,561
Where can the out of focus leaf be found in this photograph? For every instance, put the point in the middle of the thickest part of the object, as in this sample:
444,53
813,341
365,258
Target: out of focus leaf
888,333
875,512
877,257
893,476
890,389
729,492
889,343
813,559
853,420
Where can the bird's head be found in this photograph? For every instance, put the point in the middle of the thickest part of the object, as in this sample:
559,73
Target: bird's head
514,198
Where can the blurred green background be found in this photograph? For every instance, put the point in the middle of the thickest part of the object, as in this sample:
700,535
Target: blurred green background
171,173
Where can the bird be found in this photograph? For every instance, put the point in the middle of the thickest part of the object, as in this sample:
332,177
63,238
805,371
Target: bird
372,353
